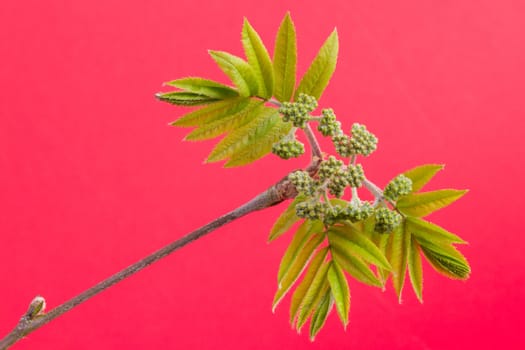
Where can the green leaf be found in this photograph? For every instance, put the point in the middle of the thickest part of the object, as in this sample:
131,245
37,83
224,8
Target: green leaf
296,267
239,71
300,293
424,203
204,87
415,269
398,256
422,174
260,126
321,314
299,240
182,98
356,268
285,60
430,232
313,295
348,240
286,220
340,291
258,58
212,112
227,123
318,75
446,260
262,145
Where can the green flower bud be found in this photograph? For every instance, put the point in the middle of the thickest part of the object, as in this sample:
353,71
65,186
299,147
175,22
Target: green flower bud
362,141
355,175
386,220
399,186
287,149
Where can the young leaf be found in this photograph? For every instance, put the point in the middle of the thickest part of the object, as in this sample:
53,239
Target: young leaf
300,238
239,71
340,291
320,71
427,231
296,267
313,295
219,126
415,270
446,260
424,203
348,239
204,87
286,219
422,174
285,60
321,314
398,257
259,59
304,286
182,98
262,145
264,121
212,112
356,268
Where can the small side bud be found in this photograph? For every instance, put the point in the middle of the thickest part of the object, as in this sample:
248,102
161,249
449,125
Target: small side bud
37,307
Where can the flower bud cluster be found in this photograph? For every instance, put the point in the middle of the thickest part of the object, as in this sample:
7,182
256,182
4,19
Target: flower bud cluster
359,212
298,112
303,182
386,220
328,124
399,186
287,148
311,209
362,142
355,175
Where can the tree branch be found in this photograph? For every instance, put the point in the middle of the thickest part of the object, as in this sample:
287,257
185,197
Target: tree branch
32,320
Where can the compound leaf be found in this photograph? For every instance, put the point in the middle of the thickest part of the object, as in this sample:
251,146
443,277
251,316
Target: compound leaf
239,71
226,123
430,232
259,59
313,295
299,240
321,314
286,219
183,98
204,87
397,253
296,267
265,119
285,60
424,203
212,112
422,174
355,267
348,239
415,269
262,145
316,267
340,291
320,71
446,260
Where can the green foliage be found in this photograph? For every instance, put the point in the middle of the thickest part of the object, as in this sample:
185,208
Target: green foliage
239,71
259,59
318,76
425,203
335,238
285,60
351,248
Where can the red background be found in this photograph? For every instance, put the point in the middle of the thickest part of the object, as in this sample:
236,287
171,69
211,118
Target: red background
92,178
